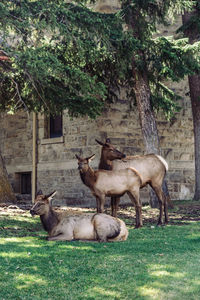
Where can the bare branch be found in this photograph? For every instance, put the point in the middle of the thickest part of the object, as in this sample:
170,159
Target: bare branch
40,96
20,101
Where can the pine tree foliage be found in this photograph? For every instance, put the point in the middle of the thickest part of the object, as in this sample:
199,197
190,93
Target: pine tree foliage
65,55
56,52
163,58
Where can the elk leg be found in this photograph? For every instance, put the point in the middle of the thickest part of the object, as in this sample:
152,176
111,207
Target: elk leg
139,213
162,204
166,210
101,237
98,204
102,201
138,210
114,206
134,196
60,237
160,219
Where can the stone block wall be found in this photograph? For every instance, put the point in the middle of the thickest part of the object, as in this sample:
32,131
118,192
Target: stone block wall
57,165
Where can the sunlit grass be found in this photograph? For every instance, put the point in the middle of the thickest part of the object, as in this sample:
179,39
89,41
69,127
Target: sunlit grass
24,281
154,263
103,293
150,293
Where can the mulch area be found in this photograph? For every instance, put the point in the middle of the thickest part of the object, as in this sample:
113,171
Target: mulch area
181,214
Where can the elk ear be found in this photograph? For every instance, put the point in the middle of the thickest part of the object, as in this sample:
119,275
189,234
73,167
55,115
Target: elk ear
100,143
50,196
39,193
78,157
90,157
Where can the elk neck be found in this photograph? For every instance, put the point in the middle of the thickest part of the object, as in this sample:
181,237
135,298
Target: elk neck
49,220
104,163
88,177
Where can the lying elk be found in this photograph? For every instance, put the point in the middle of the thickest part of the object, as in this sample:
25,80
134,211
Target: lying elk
66,227
104,183
151,167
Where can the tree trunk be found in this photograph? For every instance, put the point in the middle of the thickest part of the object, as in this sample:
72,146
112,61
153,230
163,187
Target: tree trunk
147,122
146,115
6,192
143,93
194,85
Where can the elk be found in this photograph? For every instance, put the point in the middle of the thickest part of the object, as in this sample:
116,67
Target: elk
151,167
70,226
104,183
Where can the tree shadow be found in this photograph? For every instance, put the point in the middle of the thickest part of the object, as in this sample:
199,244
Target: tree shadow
135,269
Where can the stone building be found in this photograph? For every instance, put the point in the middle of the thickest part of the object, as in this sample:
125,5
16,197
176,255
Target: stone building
58,140
49,157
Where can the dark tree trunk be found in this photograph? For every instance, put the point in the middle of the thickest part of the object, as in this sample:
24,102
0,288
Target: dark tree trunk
146,115
6,192
143,94
147,122
194,85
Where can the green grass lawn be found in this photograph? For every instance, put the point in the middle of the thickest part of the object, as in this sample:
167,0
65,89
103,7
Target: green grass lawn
154,263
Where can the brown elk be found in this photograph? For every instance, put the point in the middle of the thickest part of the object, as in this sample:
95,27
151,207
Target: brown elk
104,183
151,167
70,226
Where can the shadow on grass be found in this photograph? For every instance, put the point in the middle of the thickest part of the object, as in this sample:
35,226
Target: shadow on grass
152,264
19,226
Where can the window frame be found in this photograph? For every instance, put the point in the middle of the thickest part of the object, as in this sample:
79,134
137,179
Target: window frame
51,140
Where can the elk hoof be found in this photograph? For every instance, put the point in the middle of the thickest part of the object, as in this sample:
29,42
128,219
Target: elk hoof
102,240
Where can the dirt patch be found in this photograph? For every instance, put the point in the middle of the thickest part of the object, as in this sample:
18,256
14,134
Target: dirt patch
181,214
12,209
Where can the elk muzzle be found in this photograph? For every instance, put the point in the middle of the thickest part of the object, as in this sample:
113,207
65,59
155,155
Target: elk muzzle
32,212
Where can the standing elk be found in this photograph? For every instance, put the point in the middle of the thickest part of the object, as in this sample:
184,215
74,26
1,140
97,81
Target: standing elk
67,227
151,167
104,183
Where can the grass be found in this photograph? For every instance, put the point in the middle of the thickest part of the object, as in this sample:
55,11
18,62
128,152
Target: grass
154,263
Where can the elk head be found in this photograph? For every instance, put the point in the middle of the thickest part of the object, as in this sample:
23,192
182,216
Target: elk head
109,152
83,163
42,204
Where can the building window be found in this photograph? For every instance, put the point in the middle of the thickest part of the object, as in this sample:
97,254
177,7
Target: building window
55,126
23,183
53,130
